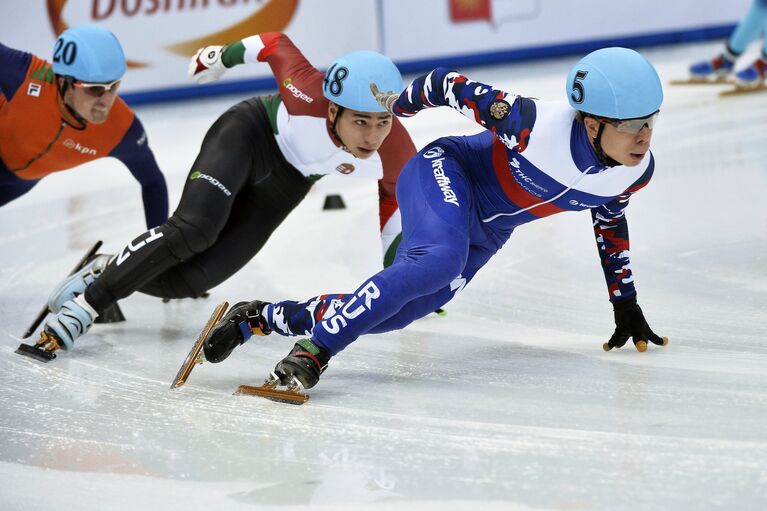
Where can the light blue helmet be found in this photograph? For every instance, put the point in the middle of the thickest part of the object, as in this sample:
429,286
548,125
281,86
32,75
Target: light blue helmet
90,54
347,80
614,82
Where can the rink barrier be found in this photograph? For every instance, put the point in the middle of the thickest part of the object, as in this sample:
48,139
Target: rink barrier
415,66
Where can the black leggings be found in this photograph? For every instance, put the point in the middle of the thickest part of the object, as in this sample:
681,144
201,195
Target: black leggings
238,191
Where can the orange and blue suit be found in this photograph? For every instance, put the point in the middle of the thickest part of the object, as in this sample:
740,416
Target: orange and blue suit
39,136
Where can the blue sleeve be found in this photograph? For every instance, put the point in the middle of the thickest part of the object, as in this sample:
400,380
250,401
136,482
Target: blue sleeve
612,234
133,150
509,117
13,70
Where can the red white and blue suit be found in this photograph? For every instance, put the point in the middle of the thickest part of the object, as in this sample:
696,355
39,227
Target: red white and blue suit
461,199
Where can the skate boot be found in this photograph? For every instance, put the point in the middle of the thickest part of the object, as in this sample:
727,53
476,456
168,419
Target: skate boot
752,76
74,318
715,70
242,321
305,363
76,283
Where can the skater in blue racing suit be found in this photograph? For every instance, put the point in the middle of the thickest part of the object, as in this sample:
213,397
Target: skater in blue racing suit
462,197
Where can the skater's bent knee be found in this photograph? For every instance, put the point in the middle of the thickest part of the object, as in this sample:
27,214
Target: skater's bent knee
188,237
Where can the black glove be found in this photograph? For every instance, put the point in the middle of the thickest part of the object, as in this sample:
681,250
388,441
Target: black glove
630,322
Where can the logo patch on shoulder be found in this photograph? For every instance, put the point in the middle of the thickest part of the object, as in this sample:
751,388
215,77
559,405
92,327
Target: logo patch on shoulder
34,89
295,91
345,168
499,109
434,152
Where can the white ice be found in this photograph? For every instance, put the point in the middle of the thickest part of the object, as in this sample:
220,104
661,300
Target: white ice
508,403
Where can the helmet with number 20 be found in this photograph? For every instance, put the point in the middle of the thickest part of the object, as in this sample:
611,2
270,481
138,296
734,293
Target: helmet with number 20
89,53
347,80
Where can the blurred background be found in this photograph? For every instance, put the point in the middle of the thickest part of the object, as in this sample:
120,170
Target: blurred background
159,36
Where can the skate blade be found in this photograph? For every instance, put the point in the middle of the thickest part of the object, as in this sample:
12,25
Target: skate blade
44,311
43,350
194,357
738,91
292,397
719,81
37,353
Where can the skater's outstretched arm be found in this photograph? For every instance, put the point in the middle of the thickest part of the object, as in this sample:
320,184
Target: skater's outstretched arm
510,117
133,150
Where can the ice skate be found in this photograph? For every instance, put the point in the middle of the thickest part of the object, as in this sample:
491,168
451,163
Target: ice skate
292,393
242,321
300,370
43,350
45,310
73,319
750,79
76,283
715,71
194,356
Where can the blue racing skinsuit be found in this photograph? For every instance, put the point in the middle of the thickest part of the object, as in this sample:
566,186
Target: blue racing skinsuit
462,197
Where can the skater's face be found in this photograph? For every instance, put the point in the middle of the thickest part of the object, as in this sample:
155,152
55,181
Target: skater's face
361,132
92,102
626,148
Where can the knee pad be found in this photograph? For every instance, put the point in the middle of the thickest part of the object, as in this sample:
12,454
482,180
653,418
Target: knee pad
443,265
184,281
187,237
429,271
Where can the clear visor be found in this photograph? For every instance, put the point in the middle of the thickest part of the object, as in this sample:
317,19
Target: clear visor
633,126
98,89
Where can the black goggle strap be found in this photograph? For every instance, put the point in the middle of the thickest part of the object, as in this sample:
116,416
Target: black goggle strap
66,84
604,158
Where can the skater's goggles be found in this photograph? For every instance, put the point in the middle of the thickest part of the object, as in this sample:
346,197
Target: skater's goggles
632,126
98,89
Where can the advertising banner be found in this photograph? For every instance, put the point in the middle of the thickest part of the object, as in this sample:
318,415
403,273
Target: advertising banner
429,29
159,36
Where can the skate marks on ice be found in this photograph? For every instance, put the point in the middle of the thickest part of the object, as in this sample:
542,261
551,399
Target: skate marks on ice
424,426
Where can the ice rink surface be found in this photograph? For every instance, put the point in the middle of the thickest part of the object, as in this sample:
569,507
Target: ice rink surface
508,403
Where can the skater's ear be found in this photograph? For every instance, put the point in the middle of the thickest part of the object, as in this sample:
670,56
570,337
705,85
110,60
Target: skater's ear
591,125
332,111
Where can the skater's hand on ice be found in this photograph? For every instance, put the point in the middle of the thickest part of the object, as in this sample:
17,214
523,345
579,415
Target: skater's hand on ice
206,66
385,99
630,322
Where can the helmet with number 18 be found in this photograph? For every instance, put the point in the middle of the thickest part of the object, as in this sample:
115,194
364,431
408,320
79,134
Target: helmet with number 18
347,80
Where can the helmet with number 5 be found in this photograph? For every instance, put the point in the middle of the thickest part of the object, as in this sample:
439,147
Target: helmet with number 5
89,53
347,80
617,83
